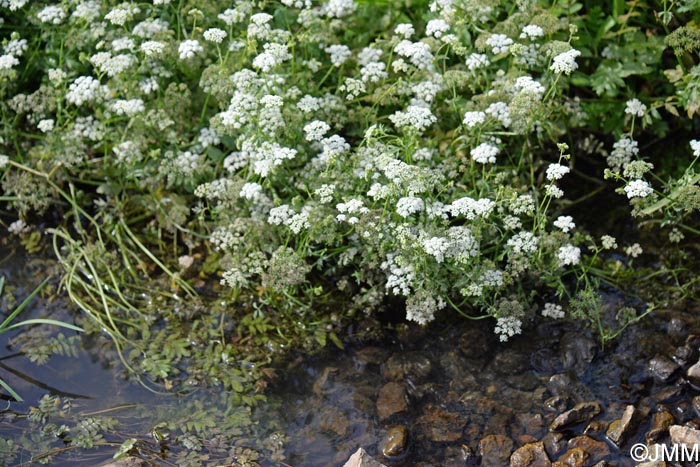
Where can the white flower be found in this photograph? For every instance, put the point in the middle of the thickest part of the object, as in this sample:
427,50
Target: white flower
553,191
185,261
695,146
485,153
634,250
471,119
523,242
18,227
531,31
189,48
8,61
638,189
316,130
150,48
339,54
422,306
608,242
415,116
501,112
476,61
553,310
569,255
4,160
404,29
556,171
635,108
46,125
565,62
251,191
436,28
53,14
83,89
499,43
215,35
128,107
409,205
507,327
437,247
470,208
565,223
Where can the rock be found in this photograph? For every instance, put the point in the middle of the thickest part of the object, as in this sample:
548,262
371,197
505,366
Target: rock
603,464
696,405
531,423
684,435
510,361
576,350
412,366
370,356
334,420
530,455
567,385
461,456
652,464
556,403
391,400
668,393
683,355
582,412
495,450
439,425
596,450
693,375
595,427
554,444
127,462
362,459
660,422
620,430
575,457
663,367
394,442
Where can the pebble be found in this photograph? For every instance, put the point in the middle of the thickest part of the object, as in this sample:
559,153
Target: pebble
495,450
684,435
391,400
530,455
441,426
620,430
582,412
362,459
663,367
413,366
596,450
660,423
395,442
693,375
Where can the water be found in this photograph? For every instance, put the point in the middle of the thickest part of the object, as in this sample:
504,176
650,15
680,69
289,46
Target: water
456,385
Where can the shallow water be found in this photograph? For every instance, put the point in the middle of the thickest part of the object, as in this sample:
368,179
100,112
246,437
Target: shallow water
456,385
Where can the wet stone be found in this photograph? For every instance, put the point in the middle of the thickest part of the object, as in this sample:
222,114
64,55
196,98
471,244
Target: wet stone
620,430
554,444
567,385
459,456
556,403
575,457
683,411
412,366
439,425
576,350
370,356
510,362
394,442
662,367
391,400
582,412
693,375
531,423
596,450
660,423
668,393
530,455
684,435
495,450
361,459
683,355
333,420
696,405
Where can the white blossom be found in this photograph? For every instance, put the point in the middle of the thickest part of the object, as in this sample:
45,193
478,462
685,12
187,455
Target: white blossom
638,189
556,172
565,62
635,107
485,153
569,255
553,310
565,223
215,35
189,48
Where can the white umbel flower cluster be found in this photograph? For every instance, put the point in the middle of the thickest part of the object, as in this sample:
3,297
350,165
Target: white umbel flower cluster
415,117
474,118
569,255
553,310
83,89
215,35
507,327
189,48
635,107
565,223
422,306
499,43
565,62
638,189
485,153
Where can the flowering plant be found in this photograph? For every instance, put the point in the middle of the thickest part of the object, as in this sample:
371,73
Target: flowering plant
302,149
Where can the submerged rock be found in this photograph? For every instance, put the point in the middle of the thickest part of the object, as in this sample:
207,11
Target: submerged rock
441,426
693,374
530,455
574,457
684,435
663,367
660,423
582,412
620,430
391,400
412,366
576,350
395,442
495,450
361,459
596,450
462,456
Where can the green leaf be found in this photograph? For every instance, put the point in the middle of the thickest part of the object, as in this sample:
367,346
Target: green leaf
11,391
125,448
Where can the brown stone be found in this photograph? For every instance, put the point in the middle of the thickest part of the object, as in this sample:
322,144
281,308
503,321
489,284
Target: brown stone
597,450
407,365
575,457
530,455
620,430
394,442
660,423
391,400
554,444
582,412
684,435
495,450
441,426
663,367
127,462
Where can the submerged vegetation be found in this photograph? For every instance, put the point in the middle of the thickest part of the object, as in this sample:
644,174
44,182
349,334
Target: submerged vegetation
224,182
